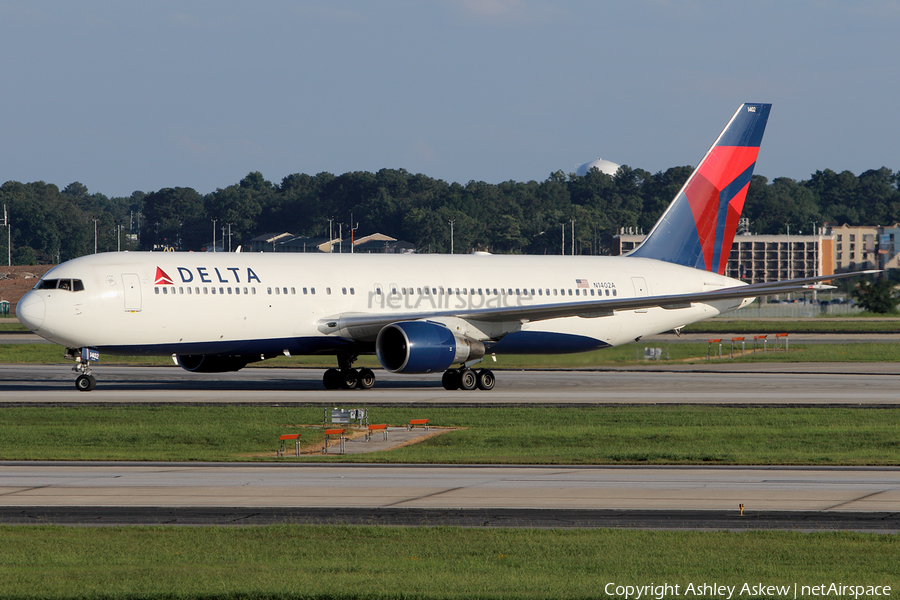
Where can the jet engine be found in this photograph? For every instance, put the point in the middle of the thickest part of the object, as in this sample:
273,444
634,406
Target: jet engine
423,347
207,363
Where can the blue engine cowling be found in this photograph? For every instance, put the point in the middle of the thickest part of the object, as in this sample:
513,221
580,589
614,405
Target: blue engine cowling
423,347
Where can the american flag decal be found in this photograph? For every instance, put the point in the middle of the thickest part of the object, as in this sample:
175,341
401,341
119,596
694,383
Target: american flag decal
582,283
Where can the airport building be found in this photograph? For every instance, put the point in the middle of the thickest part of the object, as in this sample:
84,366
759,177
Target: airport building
764,258
836,249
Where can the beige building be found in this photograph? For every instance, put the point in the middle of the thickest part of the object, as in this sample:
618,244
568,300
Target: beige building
763,258
855,247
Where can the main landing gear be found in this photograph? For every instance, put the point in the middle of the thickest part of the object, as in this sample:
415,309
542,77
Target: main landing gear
468,379
345,377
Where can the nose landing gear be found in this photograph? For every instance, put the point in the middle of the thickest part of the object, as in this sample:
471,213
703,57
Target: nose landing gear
83,357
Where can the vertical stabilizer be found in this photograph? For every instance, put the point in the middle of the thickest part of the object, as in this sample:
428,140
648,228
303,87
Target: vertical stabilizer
698,228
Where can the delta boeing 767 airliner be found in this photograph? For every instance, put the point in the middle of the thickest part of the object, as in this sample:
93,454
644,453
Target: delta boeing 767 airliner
417,313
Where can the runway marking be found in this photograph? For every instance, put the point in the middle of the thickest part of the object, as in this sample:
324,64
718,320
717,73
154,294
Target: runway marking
25,489
859,499
462,487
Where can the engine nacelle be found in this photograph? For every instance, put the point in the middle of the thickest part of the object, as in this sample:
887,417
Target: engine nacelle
205,363
423,347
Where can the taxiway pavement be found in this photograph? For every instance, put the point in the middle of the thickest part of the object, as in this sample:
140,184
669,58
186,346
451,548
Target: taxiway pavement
855,384
780,497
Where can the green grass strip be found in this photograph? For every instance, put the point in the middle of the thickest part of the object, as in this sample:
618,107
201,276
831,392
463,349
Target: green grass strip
683,435
433,563
815,325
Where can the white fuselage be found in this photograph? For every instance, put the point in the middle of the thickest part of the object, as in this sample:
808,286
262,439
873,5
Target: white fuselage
220,303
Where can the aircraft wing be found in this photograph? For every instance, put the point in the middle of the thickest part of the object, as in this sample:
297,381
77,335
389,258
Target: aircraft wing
366,325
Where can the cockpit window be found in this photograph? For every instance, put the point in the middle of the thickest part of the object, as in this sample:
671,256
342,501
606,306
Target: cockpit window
70,285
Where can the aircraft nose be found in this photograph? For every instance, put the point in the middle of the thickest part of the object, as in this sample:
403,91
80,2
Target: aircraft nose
30,311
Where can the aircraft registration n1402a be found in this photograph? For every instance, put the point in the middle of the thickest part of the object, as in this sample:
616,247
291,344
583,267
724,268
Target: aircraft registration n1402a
219,312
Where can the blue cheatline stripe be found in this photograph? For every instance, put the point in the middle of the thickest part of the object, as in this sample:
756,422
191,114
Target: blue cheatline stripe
298,346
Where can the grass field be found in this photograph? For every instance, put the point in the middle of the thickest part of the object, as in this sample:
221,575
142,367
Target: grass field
857,324
435,563
687,435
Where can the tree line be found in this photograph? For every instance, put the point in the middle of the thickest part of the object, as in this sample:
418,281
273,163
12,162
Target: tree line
50,225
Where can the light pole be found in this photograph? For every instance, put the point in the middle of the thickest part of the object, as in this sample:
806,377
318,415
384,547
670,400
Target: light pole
562,247
330,236
214,233
8,235
353,229
95,234
790,257
452,221
573,237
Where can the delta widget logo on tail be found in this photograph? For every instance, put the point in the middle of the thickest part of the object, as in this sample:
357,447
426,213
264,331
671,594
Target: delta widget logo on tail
698,228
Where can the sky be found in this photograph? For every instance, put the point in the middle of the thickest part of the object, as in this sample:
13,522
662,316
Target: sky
126,96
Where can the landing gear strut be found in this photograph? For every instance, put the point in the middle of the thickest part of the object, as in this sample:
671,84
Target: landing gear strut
468,379
346,377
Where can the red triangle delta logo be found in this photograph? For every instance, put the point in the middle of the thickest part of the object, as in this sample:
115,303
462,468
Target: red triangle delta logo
162,278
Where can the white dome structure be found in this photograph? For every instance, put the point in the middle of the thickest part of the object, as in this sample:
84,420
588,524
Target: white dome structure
604,166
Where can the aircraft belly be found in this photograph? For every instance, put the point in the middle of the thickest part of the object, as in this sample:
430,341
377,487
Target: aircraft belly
294,345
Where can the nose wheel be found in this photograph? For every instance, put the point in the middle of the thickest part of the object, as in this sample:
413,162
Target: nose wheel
85,383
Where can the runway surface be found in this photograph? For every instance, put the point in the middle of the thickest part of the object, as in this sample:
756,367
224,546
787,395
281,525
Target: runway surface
864,384
781,497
